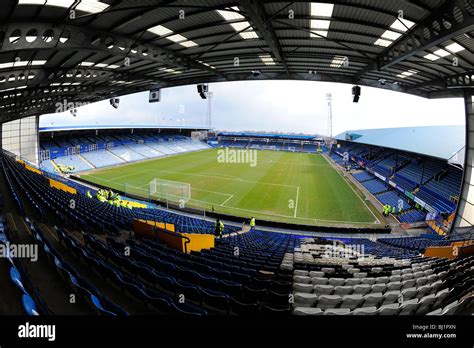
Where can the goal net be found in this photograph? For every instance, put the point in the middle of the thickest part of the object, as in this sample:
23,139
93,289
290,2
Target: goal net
174,191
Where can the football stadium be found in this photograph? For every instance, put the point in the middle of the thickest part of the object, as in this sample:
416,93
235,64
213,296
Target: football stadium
239,207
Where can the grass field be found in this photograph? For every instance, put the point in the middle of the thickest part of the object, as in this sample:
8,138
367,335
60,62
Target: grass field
282,186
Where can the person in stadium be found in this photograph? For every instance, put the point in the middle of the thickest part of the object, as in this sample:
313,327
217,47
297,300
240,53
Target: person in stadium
394,210
219,228
88,194
252,224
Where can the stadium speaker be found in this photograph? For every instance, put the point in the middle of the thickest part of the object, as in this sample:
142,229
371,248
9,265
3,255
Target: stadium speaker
202,90
155,95
355,93
115,102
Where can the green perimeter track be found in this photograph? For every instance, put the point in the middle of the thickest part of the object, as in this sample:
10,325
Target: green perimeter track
282,186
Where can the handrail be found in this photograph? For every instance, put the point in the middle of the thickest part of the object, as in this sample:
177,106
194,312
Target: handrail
174,234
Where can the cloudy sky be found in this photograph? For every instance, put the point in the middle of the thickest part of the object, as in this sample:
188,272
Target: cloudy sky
283,106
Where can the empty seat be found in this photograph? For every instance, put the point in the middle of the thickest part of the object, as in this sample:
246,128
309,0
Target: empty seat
428,272
365,311
408,294
323,289
408,307
395,278
307,311
360,275
298,272
421,281
436,286
329,301
352,301
408,283
343,290
353,270
302,279
407,277
303,299
396,272
425,304
389,309
391,297
308,288
376,288
377,269
352,281
372,300
440,297
319,281
394,286
382,280
316,274
336,281
337,311
362,289
423,290
369,281
328,270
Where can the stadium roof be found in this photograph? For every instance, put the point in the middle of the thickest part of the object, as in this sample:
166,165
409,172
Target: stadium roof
270,135
449,139
86,50
93,127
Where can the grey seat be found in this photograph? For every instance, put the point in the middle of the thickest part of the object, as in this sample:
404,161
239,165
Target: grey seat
299,272
425,304
319,281
395,278
409,307
408,283
394,286
303,299
436,286
352,281
366,311
337,281
352,301
409,293
396,272
323,289
307,311
391,297
377,269
451,308
419,274
369,281
362,289
337,311
423,290
376,288
302,279
329,301
316,274
328,270
389,309
421,281
343,290
372,300
428,272
353,270
308,288
407,276
440,297
382,280
360,275
406,271
432,278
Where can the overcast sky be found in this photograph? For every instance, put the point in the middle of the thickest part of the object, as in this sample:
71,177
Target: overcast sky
282,106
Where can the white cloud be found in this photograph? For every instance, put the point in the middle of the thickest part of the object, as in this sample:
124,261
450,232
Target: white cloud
286,106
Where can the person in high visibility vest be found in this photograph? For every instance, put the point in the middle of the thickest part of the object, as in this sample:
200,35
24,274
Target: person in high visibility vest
252,224
394,210
88,194
219,228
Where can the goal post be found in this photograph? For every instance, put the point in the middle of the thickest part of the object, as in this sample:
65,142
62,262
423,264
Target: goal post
174,191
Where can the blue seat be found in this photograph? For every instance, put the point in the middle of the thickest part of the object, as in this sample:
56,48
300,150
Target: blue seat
29,305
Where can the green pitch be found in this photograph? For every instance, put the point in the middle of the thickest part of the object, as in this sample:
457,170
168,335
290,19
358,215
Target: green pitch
280,186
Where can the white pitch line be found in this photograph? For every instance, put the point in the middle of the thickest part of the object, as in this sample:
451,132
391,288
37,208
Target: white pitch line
296,204
228,199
